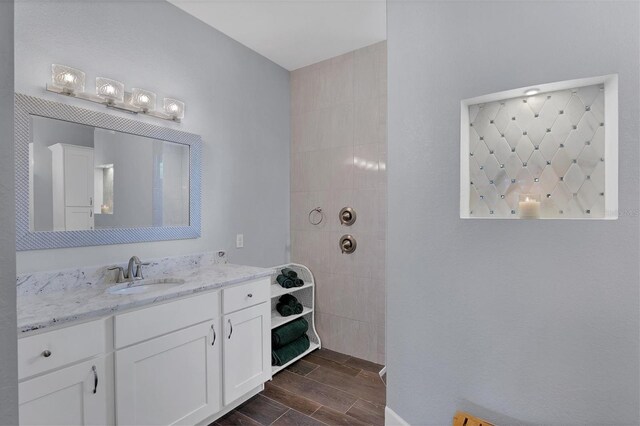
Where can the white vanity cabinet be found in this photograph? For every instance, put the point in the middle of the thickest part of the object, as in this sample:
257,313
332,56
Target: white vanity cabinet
75,395
247,339
185,361
65,377
247,350
174,378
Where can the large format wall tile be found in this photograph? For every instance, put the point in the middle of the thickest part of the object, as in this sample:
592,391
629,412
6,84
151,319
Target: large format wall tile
339,150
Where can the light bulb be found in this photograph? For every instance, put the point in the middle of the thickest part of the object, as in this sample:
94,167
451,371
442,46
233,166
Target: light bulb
174,108
531,92
110,90
70,80
143,99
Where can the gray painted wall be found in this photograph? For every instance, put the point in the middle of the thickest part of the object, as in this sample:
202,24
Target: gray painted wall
531,322
133,164
8,327
236,99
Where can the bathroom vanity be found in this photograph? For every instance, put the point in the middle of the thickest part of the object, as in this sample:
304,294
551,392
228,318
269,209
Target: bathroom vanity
185,354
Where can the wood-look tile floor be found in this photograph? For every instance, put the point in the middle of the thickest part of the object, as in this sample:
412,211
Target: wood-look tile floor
324,388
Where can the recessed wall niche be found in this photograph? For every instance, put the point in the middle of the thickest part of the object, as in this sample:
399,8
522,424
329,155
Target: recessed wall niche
542,152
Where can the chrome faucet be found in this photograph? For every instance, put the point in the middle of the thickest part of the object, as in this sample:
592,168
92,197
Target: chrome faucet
129,276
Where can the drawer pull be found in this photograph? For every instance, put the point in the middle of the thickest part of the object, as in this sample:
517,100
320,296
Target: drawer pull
231,329
46,353
249,295
214,334
95,379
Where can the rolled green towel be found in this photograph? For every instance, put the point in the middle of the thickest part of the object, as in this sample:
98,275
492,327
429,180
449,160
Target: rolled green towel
288,299
298,308
283,355
289,273
288,333
298,282
285,282
285,310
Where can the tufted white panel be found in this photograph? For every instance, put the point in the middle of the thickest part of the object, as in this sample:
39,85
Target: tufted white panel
552,144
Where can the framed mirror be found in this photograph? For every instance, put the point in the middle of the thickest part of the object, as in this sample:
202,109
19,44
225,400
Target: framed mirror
86,178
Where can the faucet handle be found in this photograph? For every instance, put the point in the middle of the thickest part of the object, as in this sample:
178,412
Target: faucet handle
120,276
139,269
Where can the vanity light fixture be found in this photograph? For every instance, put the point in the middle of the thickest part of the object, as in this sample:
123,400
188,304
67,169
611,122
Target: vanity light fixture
174,108
143,99
111,91
531,92
71,82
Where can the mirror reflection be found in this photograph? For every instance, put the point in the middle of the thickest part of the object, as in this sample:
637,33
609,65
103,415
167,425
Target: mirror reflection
82,178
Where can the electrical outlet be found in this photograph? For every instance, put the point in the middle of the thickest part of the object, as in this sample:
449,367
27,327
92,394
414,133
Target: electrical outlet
239,240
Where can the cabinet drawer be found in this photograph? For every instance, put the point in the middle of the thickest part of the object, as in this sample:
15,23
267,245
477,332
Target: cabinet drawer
143,324
246,295
64,346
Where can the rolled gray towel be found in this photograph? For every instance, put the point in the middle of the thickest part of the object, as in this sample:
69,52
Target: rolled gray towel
285,282
289,273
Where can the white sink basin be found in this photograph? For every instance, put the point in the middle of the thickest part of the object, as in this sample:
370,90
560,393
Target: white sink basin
145,286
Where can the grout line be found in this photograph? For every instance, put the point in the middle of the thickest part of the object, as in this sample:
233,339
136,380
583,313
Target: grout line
333,387
314,369
365,408
354,403
287,391
244,415
288,409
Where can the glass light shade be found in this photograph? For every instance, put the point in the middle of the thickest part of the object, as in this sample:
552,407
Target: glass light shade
143,99
70,80
174,108
110,90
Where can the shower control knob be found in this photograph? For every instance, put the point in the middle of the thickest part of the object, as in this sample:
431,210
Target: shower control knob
348,244
347,216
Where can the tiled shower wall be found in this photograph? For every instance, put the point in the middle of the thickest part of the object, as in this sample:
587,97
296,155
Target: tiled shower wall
339,146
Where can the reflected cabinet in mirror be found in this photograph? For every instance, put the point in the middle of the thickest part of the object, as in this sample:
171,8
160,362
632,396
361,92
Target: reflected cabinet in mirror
89,178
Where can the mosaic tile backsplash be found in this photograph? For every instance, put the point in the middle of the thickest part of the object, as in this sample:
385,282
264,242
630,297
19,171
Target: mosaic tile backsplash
551,145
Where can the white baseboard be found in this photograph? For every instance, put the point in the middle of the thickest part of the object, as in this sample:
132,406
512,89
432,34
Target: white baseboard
391,418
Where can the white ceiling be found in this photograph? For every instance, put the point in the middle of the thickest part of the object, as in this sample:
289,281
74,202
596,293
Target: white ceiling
294,33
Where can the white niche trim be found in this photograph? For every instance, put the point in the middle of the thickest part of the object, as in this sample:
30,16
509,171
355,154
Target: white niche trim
559,144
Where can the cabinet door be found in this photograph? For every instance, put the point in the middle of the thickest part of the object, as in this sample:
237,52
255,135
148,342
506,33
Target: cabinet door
78,218
247,350
78,176
173,379
76,395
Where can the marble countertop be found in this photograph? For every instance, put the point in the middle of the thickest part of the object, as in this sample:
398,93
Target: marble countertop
42,309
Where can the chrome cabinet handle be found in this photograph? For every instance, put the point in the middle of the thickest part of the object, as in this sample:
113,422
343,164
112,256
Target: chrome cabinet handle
250,295
91,201
46,353
95,379
230,331
213,328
